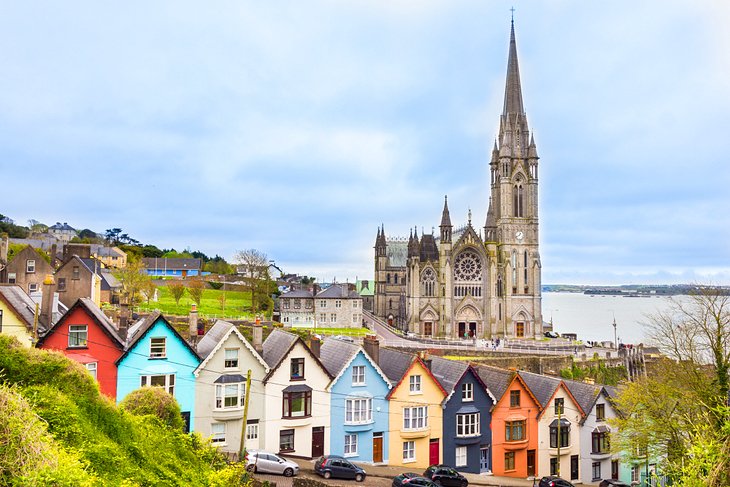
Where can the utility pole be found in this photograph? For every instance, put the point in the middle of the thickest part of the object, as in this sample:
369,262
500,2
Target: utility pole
35,324
615,336
245,415
560,410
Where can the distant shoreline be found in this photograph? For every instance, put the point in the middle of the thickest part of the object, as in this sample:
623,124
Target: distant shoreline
632,291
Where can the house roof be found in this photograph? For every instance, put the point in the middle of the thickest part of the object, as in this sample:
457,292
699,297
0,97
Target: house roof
140,328
62,226
171,263
337,355
448,372
20,303
365,287
585,394
108,281
417,360
216,337
80,262
394,363
542,387
106,325
278,344
338,291
497,380
297,293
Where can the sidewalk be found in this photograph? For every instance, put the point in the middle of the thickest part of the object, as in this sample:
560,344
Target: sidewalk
387,472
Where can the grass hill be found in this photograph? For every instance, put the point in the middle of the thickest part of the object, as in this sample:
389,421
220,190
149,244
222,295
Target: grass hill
57,429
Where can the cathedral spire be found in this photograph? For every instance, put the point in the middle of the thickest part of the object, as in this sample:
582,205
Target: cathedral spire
513,88
445,217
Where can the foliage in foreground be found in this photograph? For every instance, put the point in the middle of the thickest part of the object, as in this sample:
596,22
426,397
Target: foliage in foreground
57,429
157,402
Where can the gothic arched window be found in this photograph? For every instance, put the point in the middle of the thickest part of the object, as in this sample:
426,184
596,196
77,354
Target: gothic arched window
395,278
525,269
387,278
500,286
518,200
468,274
428,282
514,271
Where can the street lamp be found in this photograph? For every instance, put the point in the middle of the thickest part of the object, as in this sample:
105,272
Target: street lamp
615,336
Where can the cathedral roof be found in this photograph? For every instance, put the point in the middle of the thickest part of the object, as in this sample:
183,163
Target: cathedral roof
429,249
397,252
513,88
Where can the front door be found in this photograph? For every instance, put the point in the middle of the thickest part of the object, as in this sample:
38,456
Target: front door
433,452
574,467
484,459
472,330
462,329
377,447
317,441
520,329
428,328
530,463
614,469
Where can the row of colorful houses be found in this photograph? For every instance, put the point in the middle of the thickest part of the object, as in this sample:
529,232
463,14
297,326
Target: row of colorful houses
369,403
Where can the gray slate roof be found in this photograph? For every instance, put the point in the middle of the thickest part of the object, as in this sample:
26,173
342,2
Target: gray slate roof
213,337
447,372
496,379
542,386
585,394
276,345
136,331
337,291
102,319
19,301
397,252
394,363
334,354
297,293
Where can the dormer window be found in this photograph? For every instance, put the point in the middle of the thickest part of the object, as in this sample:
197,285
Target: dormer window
358,375
231,358
297,369
467,392
78,336
158,347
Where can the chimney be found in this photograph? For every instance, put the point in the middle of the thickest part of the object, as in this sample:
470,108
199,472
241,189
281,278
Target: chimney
123,319
47,299
315,345
4,244
371,345
193,324
425,358
258,336
54,256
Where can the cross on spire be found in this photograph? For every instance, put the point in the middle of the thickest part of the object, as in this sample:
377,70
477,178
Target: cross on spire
513,14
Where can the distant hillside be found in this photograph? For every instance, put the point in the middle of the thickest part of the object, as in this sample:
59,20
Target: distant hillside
630,289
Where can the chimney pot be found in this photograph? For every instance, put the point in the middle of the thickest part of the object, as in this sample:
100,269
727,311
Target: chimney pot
371,345
257,335
315,345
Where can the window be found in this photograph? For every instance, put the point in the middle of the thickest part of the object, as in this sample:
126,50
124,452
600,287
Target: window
350,445
514,430
11,277
509,460
600,442
165,381
252,430
358,411
297,303
157,347
355,317
32,287
467,392
395,278
354,304
559,405
338,303
635,473
297,369
564,436
415,384
297,404
285,304
415,417
333,317
323,317
230,396
358,375
78,336
409,451
76,274
514,399
467,424
428,282
517,197
323,304
30,266
218,433
387,278
91,367
600,412
61,283
230,358
460,456
553,466
596,469
286,440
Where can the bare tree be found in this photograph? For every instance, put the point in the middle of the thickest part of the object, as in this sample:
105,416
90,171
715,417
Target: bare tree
195,290
177,289
133,278
255,267
148,290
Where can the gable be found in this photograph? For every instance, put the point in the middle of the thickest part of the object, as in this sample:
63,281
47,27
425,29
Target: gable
417,367
299,350
233,339
138,349
565,394
470,376
518,384
360,357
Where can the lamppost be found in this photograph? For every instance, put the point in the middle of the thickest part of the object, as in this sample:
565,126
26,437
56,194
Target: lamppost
615,336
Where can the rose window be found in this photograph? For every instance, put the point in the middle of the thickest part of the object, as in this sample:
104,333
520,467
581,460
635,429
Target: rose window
468,267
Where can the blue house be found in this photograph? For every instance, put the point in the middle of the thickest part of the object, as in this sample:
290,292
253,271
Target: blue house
157,356
467,435
359,409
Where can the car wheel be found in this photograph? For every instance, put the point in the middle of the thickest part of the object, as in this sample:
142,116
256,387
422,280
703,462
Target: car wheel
359,477
288,472
464,483
251,468
327,474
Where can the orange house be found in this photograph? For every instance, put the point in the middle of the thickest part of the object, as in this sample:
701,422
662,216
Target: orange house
514,431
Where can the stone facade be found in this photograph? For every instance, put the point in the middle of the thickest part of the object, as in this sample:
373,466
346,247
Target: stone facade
335,307
26,269
464,282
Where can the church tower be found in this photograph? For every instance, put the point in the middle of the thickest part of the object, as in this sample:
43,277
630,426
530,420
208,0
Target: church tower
512,219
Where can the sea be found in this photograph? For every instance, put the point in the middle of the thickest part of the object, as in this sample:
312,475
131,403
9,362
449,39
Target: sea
591,316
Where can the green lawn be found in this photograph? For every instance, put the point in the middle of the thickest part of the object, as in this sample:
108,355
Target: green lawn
209,307
356,332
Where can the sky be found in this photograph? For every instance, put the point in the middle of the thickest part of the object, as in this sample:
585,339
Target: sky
297,128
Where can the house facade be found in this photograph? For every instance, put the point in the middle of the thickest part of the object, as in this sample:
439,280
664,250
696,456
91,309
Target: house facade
78,278
416,418
297,404
26,269
17,313
334,307
85,334
172,267
157,356
297,308
359,408
597,461
63,232
220,389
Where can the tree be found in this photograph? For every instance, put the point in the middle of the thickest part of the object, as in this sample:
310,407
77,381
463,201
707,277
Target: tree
36,228
148,290
195,290
255,267
133,278
177,289
157,402
222,301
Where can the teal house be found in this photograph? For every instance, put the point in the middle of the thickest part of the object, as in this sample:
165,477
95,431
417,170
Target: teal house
157,356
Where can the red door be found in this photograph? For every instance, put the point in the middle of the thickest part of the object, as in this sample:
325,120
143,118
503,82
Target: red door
433,452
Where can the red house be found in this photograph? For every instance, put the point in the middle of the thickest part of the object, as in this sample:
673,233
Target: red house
87,336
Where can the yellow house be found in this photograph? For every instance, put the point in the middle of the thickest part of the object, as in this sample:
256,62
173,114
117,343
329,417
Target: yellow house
416,418
16,313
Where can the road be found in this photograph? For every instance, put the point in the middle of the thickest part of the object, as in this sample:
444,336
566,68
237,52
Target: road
282,481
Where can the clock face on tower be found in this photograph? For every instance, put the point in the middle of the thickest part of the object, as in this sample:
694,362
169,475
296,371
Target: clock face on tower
519,235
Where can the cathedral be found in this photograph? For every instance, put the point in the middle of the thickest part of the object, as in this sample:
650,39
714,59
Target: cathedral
469,282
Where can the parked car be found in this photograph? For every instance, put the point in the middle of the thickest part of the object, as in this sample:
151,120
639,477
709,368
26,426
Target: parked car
613,483
553,481
551,334
446,476
262,461
344,338
411,478
335,466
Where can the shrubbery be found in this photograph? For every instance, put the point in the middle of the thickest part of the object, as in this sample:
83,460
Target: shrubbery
157,402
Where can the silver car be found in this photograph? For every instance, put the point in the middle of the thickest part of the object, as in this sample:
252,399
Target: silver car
265,462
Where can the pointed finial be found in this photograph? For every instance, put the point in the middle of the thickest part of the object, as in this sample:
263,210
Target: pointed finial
513,14
469,216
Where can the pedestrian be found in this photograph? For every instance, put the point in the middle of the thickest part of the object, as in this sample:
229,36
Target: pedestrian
575,351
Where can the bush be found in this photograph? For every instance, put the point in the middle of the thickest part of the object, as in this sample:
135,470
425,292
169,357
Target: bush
157,402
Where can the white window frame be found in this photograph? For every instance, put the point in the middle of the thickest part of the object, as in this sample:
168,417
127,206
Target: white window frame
30,266
78,336
354,304
359,410
156,346
358,375
12,277
333,317
225,392
92,367
32,287
323,303
169,385
467,425
467,392
414,382
252,431
338,303
415,418
226,359
460,456
409,451
351,445
218,438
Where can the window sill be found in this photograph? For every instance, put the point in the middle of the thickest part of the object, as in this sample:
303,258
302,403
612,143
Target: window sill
419,393
77,348
157,358
288,450
350,455
296,379
412,460
359,385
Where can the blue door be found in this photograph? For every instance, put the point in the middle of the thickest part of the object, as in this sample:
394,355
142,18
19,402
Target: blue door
484,459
